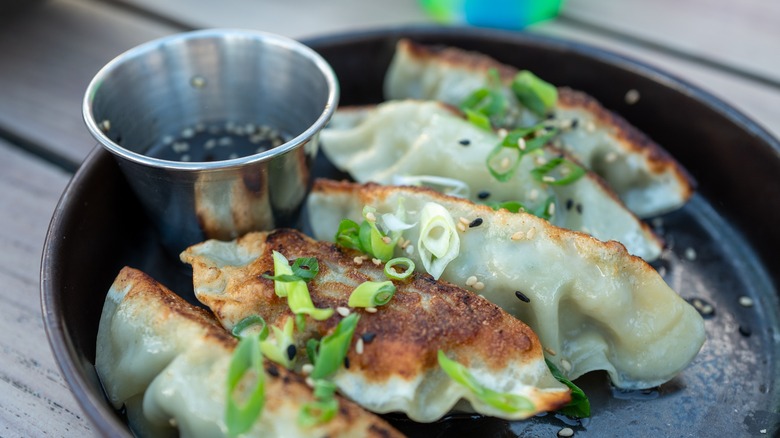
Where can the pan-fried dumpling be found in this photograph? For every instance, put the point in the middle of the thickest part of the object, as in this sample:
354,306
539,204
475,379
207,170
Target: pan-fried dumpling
395,366
167,361
646,177
397,139
593,306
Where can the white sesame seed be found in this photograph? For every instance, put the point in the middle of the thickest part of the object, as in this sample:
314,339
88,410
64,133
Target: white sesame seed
180,146
471,280
566,365
566,432
502,133
250,128
371,217
168,139
376,261
548,178
463,220
371,309
276,142
461,227
409,249
105,125
310,382
745,301
518,235
533,194
343,311
690,254
306,369
531,233
198,82
590,126
479,285
521,143
551,209
632,96
187,133
210,144
386,239
230,126
566,124
707,309
550,351
358,260
233,156
505,163
239,130
611,157
540,160
763,431
225,141
359,346
185,157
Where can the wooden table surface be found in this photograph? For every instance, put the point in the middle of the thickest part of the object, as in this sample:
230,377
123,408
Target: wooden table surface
49,50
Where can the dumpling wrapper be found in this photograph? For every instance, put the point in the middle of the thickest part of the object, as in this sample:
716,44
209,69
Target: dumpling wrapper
593,305
643,174
167,361
375,144
398,370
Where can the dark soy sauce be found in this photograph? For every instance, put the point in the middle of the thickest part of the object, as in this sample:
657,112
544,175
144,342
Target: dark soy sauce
216,142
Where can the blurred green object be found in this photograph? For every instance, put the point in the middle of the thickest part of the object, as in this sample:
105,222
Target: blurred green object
502,14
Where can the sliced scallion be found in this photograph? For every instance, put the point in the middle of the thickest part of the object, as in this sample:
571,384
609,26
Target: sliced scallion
439,242
372,294
393,274
566,172
275,347
579,406
290,282
348,234
244,407
503,401
251,321
324,408
478,119
533,93
333,348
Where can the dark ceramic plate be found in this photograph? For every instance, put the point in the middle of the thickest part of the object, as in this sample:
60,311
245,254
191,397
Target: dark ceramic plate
722,245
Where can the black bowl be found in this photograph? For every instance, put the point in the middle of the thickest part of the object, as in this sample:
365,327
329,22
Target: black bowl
731,225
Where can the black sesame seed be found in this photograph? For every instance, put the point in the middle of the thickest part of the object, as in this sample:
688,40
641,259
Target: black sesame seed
346,362
483,194
476,222
522,297
291,351
465,142
575,122
569,204
579,208
550,115
745,331
368,337
272,370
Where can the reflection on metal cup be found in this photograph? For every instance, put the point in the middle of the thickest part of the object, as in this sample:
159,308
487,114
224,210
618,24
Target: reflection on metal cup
215,130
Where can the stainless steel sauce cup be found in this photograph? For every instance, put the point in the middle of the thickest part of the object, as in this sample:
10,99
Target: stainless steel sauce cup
226,84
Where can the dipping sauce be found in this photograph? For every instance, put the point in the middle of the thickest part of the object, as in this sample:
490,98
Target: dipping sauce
206,142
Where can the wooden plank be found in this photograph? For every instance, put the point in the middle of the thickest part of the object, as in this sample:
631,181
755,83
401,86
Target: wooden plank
296,18
34,399
744,33
49,53
758,101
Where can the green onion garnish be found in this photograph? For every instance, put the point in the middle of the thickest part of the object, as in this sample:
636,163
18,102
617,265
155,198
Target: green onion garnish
372,294
579,406
333,348
535,94
250,321
348,235
439,242
275,347
486,102
506,402
324,408
311,349
290,282
392,274
566,170
366,237
245,406
504,159
511,206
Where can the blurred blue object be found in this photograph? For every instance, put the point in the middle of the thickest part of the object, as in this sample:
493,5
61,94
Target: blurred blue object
502,14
